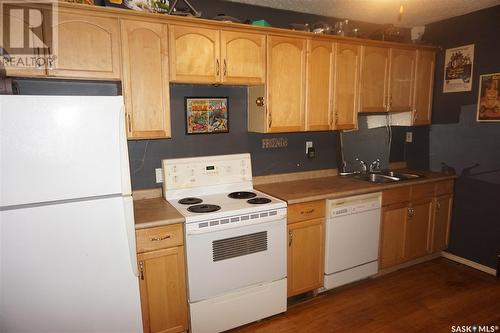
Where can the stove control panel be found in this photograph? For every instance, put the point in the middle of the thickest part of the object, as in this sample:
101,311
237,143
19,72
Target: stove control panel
206,171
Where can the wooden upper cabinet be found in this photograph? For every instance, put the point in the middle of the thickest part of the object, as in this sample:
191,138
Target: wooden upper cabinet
145,79
424,82
346,86
88,47
319,85
286,57
401,80
243,57
374,81
195,54
16,47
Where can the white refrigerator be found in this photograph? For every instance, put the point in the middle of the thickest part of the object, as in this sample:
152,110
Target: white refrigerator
67,243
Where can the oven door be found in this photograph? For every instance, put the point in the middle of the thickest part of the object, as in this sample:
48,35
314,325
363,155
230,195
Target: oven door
229,259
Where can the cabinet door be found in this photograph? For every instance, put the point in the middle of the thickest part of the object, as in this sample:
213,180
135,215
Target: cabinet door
163,290
319,85
243,57
24,59
424,82
374,79
402,70
88,47
194,54
286,84
442,218
145,79
346,86
417,229
392,235
306,250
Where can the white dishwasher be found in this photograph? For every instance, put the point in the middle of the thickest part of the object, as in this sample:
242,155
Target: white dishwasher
352,239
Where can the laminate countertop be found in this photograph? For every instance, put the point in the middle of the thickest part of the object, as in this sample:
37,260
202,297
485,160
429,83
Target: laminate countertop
149,213
305,190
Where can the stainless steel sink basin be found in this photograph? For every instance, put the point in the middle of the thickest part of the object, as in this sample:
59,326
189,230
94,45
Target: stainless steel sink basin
402,175
386,176
377,178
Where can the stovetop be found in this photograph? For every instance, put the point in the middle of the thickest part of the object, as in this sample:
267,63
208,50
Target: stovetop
209,209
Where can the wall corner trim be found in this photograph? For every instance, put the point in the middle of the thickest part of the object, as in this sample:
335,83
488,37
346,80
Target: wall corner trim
469,263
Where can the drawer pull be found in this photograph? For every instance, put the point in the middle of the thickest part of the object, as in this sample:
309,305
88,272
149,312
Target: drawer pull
159,238
290,238
307,211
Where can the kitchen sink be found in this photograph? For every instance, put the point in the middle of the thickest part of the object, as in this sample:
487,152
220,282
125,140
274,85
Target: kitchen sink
386,176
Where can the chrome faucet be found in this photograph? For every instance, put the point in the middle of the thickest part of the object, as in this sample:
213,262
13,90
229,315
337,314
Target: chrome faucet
375,165
364,168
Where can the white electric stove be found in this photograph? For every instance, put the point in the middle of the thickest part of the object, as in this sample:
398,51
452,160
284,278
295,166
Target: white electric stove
235,241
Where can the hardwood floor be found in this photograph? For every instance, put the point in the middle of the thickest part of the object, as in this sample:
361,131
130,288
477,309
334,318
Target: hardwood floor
429,297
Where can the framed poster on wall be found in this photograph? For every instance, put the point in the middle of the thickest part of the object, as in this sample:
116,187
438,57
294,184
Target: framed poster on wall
488,101
458,64
206,115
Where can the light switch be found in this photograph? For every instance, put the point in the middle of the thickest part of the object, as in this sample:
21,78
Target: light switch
309,144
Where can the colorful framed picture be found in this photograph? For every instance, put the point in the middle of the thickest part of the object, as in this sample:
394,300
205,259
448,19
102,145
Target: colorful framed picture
488,101
458,64
205,115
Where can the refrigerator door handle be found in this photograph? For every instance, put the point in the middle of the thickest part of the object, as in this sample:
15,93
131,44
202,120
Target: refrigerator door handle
125,166
130,229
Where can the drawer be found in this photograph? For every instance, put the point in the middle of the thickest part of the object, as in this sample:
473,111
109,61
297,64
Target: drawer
422,191
151,239
396,195
445,187
306,211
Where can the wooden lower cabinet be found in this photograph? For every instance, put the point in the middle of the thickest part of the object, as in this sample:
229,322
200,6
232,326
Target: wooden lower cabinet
415,225
392,235
306,248
162,284
441,224
418,223
163,290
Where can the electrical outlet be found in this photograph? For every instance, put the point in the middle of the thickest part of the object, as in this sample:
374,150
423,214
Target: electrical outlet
409,137
309,144
159,175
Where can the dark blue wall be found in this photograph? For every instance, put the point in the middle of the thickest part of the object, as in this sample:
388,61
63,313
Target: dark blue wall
458,140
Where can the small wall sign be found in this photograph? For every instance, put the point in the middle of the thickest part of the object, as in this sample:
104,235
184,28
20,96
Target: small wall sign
274,143
458,63
206,115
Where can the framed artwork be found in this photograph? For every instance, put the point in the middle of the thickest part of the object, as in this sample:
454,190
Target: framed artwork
206,115
458,63
488,101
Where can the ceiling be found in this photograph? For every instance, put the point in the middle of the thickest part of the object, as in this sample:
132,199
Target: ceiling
416,12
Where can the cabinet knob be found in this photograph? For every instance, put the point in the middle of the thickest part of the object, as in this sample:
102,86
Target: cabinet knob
411,212
217,67
438,205
259,101
290,238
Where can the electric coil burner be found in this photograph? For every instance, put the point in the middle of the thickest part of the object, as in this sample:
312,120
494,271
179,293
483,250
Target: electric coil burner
190,201
204,208
241,195
259,201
